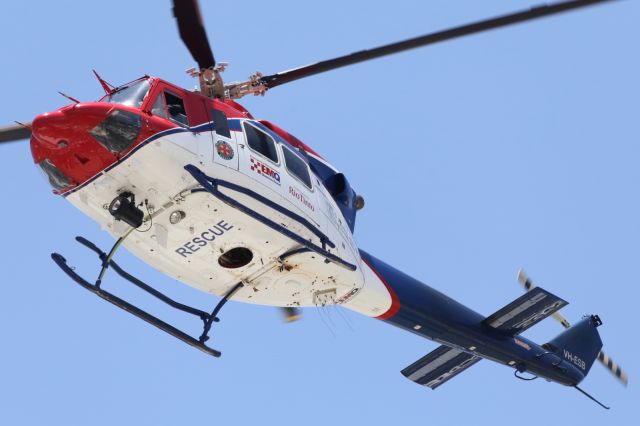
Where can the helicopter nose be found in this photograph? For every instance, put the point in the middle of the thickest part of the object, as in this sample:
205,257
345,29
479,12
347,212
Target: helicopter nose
52,129
83,139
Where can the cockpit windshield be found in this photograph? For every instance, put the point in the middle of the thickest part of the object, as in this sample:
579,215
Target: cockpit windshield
131,94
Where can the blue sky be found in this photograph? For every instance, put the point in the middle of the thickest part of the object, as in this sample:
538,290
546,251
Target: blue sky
514,148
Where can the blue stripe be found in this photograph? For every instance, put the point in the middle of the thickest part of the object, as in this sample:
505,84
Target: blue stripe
233,125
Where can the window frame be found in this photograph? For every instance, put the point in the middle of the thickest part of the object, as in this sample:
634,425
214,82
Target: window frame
166,90
107,97
275,143
292,174
160,96
221,122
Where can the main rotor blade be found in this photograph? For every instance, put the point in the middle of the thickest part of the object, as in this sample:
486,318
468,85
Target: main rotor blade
14,133
535,12
192,32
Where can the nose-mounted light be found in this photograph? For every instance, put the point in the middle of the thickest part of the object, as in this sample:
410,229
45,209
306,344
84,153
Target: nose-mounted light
57,179
176,216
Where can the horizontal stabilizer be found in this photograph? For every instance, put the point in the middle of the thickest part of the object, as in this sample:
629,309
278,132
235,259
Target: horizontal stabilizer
439,366
524,312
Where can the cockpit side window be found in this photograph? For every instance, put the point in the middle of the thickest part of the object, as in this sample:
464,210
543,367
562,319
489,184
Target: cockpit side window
261,142
175,107
158,108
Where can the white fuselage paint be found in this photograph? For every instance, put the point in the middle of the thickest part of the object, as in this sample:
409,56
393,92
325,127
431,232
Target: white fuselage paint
188,251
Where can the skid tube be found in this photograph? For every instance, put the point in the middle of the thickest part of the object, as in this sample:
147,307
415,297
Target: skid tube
211,185
208,319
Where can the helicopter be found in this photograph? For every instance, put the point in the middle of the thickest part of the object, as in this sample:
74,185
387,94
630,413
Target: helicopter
245,175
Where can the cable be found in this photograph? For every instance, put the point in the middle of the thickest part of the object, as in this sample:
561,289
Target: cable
149,217
107,260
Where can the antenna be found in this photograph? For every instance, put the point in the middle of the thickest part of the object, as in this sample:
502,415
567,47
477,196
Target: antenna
592,398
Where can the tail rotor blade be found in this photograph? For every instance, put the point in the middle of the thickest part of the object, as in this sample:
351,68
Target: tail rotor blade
529,285
614,368
14,132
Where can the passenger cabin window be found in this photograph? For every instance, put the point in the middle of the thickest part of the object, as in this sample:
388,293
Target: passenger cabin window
261,143
296,166
175,107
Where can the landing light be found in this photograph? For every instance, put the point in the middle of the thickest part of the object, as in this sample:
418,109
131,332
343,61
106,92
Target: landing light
56,177
176,216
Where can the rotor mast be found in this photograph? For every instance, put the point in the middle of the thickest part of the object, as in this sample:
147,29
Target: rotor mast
210,80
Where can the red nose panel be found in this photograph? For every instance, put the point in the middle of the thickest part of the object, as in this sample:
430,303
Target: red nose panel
64,138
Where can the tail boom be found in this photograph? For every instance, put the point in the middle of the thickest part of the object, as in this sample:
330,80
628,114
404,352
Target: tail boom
425,311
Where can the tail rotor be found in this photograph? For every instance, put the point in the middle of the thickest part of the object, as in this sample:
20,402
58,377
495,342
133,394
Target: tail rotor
604,359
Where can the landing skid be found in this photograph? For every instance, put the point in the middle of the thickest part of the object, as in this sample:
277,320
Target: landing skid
107,261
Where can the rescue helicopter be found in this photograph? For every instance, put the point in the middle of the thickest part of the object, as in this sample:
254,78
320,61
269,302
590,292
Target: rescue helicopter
192,184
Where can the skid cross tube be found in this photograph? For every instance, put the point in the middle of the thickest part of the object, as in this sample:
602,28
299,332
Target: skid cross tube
204,316
107,261
210,185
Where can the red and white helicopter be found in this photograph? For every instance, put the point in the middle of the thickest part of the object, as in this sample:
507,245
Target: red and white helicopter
194,185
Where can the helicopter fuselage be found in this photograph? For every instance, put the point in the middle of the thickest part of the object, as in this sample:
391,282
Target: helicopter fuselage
228,199
208,241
